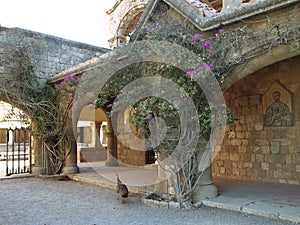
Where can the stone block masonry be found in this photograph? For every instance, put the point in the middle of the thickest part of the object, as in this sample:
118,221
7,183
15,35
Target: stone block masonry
49,55
251,149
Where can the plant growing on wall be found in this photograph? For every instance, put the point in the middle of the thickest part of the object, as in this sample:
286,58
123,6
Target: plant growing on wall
23,89
220,52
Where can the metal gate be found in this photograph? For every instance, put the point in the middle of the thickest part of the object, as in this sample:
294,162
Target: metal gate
18,154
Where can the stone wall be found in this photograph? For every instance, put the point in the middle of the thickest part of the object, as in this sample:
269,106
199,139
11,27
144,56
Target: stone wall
3,133
50,54
125,154
131,157
253,148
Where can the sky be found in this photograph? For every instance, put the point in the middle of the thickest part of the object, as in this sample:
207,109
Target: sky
77,20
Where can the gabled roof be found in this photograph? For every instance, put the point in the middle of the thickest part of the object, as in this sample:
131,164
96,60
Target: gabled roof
205,15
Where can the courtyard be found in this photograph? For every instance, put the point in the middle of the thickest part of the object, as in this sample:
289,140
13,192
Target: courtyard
230,141
34,201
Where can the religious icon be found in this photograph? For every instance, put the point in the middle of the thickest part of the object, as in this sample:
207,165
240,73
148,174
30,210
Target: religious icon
278,113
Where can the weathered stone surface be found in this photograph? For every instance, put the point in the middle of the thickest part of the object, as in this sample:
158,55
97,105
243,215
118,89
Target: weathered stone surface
275,146
255,151
51,54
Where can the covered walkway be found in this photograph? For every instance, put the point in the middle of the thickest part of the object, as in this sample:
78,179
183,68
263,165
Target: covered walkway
279,201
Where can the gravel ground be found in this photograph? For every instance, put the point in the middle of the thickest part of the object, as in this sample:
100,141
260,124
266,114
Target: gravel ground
46,201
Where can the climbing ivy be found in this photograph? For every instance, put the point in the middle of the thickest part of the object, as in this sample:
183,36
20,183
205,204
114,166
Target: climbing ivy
40,101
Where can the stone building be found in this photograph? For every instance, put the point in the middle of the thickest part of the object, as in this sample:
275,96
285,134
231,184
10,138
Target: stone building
257,146
49,55
262,91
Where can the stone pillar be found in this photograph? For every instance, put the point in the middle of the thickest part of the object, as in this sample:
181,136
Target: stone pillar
231,5
161,184
37,149
71,160
94,134
111,145
102,134
37,168
206,188
97,134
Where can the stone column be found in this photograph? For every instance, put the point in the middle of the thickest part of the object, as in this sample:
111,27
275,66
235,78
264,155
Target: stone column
206,188
37,149
71,160
111,145
97,134
164,182
37,168
94,134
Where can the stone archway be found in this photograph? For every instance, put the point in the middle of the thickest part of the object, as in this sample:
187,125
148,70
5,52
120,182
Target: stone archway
37,162
124,17
90,126
253,150
257,63
130,20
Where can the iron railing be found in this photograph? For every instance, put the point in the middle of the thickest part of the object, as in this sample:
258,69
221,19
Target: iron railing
18,155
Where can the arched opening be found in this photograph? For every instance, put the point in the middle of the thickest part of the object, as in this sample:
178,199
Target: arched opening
15,141
261,146
91,135
127,26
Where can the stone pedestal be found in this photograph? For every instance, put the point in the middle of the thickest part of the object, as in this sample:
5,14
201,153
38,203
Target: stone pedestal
206,188
71,162
37,149
111,161
38,170
70,169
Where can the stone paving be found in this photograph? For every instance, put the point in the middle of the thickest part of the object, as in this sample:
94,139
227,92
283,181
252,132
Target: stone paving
48,201
271,201
276,201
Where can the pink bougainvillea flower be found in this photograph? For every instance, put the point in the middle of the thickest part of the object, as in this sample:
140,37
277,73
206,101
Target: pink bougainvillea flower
206,45
190,73
148,30
56,86
71,76
209,67
217,37
201,68
197,36
68,77
59,85
221,30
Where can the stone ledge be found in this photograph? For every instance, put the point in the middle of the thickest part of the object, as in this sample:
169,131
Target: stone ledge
103,182
160,204
258,208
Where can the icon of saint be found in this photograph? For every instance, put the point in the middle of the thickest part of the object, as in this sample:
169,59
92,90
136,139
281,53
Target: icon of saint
278,113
